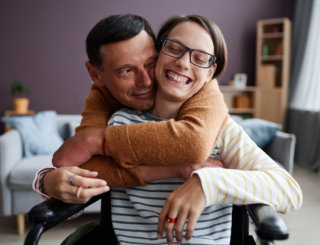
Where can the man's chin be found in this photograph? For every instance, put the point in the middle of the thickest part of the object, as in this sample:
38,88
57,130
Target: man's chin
147,105
142,104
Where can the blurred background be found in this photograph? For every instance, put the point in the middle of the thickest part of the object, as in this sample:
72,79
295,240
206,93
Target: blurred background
272,73
43,42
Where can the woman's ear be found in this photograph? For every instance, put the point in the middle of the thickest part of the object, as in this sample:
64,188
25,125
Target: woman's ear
94,73
211,71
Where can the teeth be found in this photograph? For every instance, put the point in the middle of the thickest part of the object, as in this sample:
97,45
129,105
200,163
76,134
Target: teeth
177,79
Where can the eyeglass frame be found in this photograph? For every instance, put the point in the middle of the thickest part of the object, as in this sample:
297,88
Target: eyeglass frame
185,50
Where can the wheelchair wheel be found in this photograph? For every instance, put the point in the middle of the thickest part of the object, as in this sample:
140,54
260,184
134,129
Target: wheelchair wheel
79,233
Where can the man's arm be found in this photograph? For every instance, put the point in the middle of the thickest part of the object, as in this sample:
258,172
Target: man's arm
201,120
188,140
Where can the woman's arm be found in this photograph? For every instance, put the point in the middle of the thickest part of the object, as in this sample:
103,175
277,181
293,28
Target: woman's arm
251,176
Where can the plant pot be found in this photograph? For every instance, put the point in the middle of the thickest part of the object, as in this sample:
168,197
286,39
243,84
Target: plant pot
21,105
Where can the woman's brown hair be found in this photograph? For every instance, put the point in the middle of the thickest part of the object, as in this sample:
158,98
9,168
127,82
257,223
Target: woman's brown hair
220,47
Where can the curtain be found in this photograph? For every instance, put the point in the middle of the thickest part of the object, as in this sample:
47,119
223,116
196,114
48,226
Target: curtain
304,105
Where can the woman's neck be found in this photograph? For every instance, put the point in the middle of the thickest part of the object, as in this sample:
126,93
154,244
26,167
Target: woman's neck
165,109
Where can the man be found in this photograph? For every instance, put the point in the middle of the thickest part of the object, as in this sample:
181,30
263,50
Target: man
122,56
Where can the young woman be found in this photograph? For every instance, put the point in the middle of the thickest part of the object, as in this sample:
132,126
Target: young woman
191,50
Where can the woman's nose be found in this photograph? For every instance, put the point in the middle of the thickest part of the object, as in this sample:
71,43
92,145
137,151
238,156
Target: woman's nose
184,61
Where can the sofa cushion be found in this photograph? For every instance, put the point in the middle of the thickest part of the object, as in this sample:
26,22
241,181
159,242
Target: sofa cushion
260,131
22,175
39,133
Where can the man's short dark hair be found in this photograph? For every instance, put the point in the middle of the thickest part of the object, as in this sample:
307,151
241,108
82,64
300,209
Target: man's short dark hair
113,29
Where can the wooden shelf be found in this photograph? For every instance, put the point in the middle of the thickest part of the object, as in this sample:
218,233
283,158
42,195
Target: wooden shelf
13,114
234,89
272,35
273,70
271,58
241,110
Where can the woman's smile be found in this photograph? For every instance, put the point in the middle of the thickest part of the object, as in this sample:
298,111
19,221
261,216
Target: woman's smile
177,78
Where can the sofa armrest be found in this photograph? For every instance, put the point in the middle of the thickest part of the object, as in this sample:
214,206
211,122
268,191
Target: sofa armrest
268,225
10,155
281,149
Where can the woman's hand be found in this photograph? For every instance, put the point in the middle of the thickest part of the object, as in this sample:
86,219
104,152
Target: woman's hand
186,202
57,185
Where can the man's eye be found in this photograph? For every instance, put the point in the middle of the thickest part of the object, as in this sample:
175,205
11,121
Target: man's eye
126,71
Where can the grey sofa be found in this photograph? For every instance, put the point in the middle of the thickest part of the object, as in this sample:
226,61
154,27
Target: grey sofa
17,173
17,196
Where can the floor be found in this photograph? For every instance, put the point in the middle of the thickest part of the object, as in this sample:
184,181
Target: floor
303,224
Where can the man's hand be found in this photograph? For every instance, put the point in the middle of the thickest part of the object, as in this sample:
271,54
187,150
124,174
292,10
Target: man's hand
78,149
56,184
154,173
184,172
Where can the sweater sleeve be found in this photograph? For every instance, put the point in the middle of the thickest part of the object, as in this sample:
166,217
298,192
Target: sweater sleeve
188,140
99,106
250,175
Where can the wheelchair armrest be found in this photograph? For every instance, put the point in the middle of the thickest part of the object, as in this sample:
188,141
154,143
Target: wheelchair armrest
54,211
50,213
267,224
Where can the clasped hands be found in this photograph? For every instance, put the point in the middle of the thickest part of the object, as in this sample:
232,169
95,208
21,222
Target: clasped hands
186,202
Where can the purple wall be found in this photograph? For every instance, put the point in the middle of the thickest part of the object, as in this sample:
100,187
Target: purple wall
42,43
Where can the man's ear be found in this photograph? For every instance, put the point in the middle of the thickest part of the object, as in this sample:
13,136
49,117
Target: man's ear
94,73
211,71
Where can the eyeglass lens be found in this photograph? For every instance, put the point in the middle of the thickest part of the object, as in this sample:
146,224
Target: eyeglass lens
176,50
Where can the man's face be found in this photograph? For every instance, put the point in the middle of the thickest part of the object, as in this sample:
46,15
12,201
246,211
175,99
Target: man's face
129,71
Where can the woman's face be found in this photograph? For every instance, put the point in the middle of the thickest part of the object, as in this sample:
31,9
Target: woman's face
179,79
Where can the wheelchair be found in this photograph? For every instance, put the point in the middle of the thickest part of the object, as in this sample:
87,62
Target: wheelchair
267,224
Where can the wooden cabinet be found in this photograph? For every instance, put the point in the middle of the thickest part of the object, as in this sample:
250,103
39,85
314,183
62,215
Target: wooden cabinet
272,69
268,99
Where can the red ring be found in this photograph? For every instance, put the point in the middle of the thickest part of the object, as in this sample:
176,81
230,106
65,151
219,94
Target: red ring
169,220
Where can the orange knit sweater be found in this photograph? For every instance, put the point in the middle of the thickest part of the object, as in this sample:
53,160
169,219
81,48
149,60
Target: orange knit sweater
189,140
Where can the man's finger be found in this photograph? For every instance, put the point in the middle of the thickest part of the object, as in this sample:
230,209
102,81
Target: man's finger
87,182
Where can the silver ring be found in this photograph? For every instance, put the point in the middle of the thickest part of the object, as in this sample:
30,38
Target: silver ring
71,178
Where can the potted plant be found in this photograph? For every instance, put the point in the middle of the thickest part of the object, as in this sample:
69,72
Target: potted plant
18,91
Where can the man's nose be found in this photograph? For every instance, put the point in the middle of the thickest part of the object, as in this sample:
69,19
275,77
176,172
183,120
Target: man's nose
143,80
184,61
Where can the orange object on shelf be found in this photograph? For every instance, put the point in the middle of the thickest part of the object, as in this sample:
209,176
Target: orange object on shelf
243,101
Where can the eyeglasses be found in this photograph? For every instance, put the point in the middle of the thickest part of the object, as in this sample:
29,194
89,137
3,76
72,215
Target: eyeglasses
197,57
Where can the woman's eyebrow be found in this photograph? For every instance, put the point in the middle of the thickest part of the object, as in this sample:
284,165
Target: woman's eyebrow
174,39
